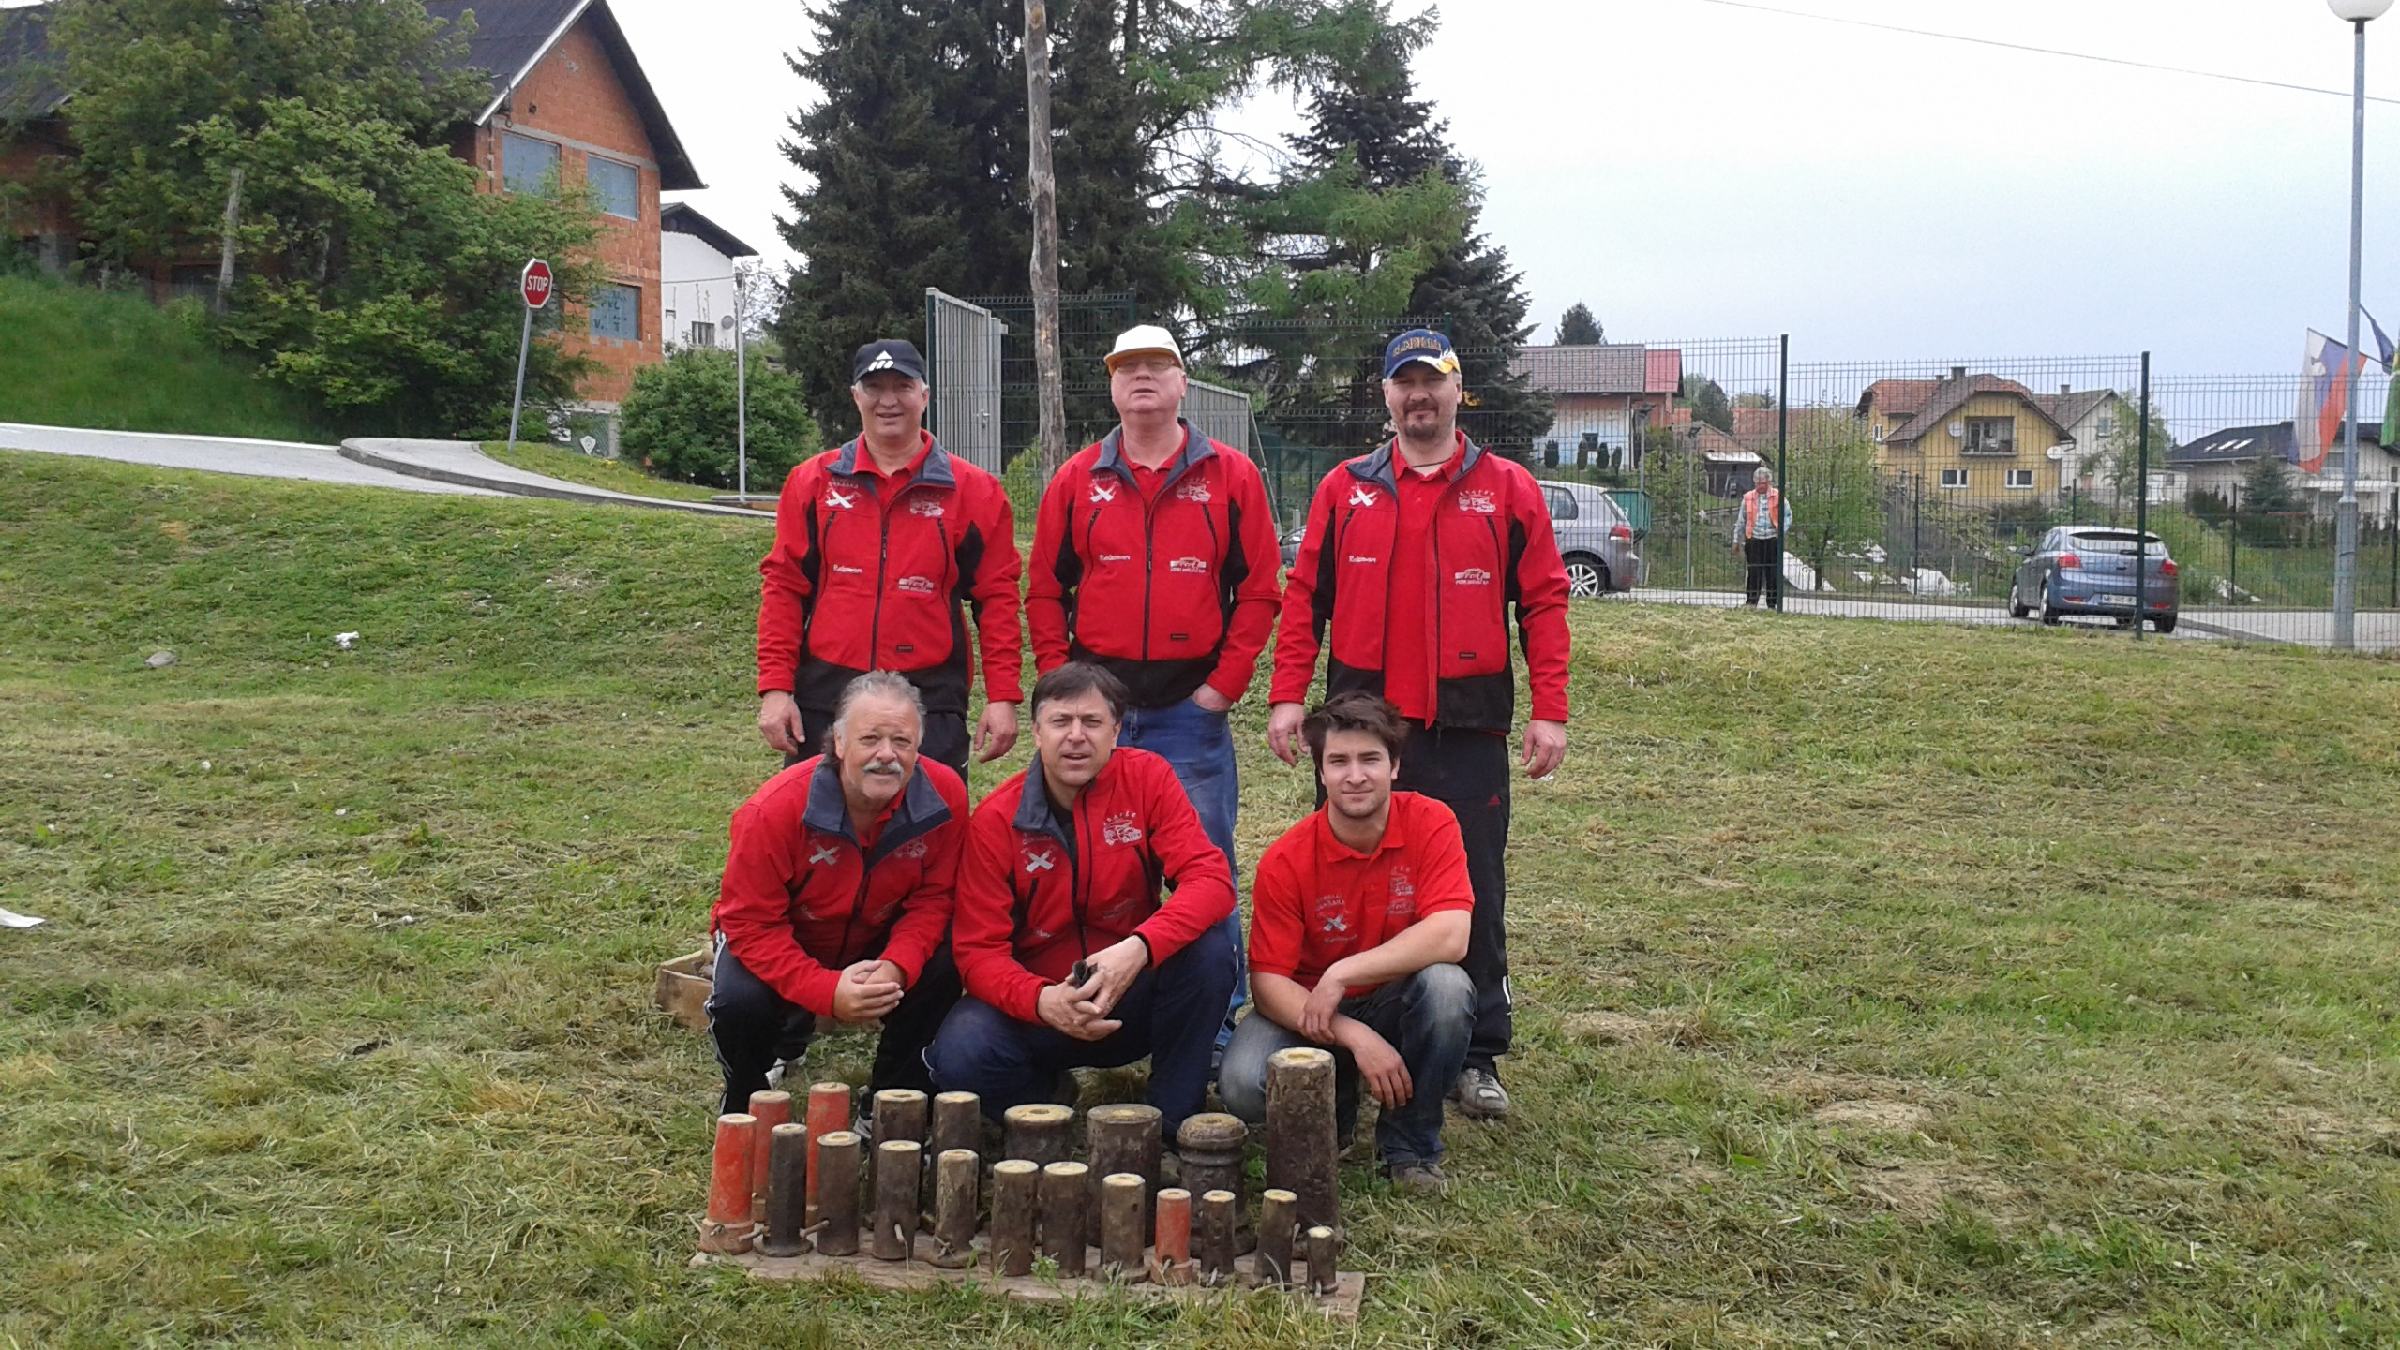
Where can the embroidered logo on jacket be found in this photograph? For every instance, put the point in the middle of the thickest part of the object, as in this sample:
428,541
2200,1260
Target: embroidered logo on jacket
924,506
913,849
840,500
1360,496
1103,492
1188,565
1121,829
1478,500
915,585
1473,576
1040,860
1331,922
824,857
1192,492
1116,557
1403,893
1360,559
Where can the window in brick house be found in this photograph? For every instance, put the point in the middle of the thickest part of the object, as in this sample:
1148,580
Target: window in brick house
617,312
618,186
526,164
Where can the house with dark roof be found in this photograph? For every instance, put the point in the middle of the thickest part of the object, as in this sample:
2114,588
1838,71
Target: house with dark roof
1983,438
568,104
1600,396
2219,462
697,257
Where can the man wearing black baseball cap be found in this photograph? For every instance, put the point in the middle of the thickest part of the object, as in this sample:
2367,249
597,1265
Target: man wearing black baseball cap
883,546
1413,557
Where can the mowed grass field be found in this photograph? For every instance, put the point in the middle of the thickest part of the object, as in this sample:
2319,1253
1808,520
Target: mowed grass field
1878,983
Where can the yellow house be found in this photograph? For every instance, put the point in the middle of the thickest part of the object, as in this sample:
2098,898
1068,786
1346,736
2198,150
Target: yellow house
1980,438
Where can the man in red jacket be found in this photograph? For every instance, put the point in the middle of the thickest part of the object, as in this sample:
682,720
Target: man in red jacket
1413,557
881,545
837,895
1155,558
1357,921
1065,864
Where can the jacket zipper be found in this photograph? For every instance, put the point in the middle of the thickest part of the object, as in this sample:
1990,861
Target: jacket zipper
883,556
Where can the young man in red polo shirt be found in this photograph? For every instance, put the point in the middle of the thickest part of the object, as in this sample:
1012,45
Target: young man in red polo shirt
1358,919
1413,557
1094,857
882,548
836,898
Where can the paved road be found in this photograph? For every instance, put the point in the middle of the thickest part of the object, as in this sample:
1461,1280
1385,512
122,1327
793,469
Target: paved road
2376,631
464,463
220,454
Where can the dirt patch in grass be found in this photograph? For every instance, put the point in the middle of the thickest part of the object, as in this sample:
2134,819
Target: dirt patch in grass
1870,1114
1619,1028
1916,1188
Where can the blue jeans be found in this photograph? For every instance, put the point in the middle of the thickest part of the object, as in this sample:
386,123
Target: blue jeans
1170,1014
1199,744
1426,1016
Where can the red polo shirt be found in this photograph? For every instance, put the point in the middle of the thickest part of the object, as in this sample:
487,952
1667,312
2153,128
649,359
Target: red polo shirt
1315,901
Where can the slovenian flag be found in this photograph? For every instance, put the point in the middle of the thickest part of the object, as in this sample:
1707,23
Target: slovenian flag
2331,368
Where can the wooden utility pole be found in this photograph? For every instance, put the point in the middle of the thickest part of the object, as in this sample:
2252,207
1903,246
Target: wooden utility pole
1044,268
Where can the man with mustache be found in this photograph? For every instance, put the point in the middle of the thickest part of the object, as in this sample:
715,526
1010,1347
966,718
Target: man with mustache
1413,558
836,897
1090,920
1155,557
1358,918
882,547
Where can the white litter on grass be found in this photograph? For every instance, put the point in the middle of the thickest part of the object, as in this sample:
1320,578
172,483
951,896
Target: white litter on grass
9,918
345,640
341,810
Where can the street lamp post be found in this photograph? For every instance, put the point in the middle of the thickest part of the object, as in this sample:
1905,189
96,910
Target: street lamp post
2358,14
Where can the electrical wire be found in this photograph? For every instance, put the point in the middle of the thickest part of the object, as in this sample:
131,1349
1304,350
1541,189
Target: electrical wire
2042,51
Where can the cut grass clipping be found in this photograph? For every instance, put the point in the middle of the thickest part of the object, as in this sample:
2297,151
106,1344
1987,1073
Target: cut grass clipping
1890,982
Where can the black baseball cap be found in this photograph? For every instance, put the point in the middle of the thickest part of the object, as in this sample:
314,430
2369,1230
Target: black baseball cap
897,354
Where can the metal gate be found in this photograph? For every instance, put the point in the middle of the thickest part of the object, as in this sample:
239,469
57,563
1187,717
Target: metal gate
962,354
1221,414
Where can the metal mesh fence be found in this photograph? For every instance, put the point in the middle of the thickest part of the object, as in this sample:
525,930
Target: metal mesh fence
1997,491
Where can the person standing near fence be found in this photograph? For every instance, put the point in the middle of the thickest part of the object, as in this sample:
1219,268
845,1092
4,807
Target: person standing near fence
881,547
1411,560
1155,558
1758,532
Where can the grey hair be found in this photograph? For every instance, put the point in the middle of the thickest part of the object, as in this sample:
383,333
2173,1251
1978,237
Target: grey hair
878,684
1761,474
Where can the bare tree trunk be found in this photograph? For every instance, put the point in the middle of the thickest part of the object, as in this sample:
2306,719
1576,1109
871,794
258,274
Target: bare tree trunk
233,222
1044,266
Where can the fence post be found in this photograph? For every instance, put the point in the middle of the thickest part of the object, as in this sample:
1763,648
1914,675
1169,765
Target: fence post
2233,546
1783,436
1690,508
2141,507
1916,532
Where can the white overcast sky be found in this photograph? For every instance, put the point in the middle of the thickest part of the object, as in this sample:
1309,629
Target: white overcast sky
1691,169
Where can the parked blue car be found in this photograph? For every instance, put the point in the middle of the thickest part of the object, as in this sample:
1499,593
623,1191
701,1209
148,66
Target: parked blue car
2089,569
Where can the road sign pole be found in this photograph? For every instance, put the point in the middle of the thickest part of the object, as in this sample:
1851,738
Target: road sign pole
741,391
517,405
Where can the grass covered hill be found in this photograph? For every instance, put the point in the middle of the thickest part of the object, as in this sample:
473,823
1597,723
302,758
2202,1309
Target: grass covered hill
74,356
1883,982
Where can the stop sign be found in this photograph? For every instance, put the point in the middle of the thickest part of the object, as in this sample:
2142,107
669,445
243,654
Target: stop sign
535,283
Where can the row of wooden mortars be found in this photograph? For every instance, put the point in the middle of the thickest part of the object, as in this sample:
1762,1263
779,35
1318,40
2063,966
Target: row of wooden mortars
786,1188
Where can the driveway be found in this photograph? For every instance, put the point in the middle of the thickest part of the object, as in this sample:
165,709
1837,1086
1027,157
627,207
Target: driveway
221,454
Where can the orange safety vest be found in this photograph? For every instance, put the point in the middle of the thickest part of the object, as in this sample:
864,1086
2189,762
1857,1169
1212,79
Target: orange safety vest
1750,502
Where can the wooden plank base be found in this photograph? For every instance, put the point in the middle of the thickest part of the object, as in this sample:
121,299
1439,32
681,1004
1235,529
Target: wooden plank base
915,1274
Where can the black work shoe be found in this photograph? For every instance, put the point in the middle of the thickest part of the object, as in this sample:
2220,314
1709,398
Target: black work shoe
1479,1095
1418,1178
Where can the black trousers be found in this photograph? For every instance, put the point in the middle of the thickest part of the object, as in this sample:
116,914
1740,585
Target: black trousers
1467,771
754,1026
1765,557
945,737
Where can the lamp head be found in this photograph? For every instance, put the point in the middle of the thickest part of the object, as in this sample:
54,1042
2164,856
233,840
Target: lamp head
2358,11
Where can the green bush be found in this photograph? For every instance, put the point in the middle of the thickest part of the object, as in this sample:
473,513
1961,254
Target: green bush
680,421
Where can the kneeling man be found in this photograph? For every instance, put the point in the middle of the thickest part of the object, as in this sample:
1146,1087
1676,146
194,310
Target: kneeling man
1064,869
1357,920
837,896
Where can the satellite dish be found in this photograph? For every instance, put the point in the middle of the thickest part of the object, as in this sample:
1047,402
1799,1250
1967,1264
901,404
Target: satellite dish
1958,430
2058,452
726,323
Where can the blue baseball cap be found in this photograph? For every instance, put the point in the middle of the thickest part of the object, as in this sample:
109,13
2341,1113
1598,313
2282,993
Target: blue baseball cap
1419,344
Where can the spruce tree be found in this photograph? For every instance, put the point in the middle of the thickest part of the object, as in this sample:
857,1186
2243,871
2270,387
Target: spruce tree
914,162
1577,327
1466,287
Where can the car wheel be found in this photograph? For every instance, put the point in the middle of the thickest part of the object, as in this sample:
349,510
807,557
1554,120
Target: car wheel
2049,611
1587,576
2017,609
2164,623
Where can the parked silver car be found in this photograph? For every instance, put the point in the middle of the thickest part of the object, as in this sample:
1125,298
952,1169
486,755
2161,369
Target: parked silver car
1594,538
2089,569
